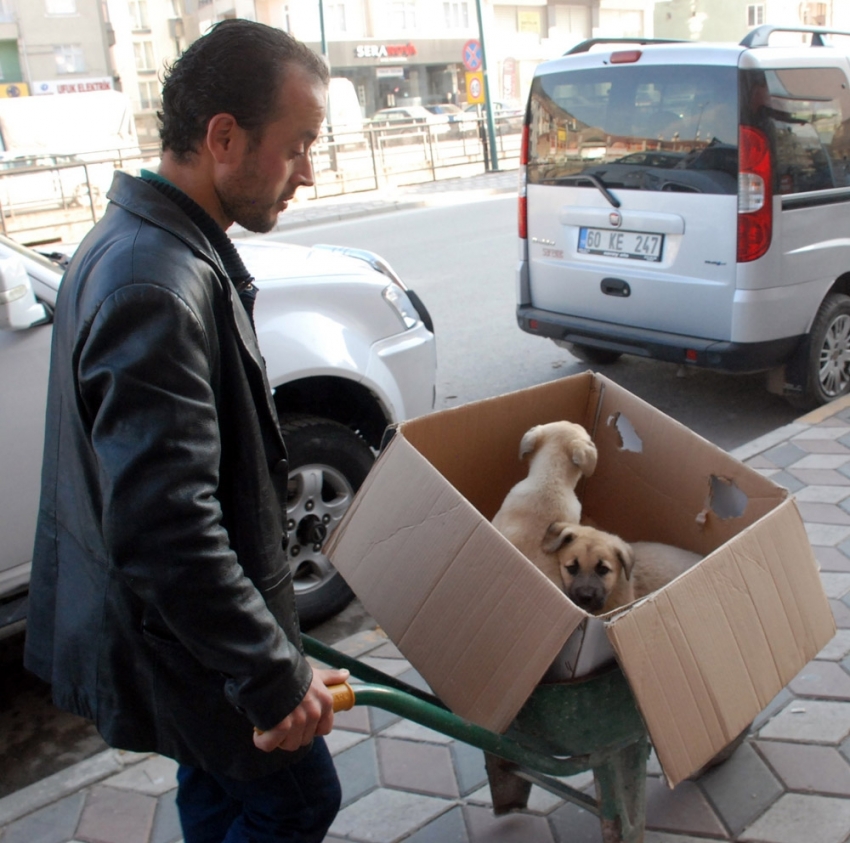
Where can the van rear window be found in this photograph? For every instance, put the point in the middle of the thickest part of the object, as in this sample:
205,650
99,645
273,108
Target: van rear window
651,127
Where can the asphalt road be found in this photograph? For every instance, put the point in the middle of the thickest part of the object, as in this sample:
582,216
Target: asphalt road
461,259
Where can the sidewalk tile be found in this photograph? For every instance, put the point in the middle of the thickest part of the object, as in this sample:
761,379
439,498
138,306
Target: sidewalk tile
340,739
841,614
155,776
448,828
361,642
832,559
822,446
788,481
838,648
796,818
380,719
823,513
803,767
828,534
817,721
836,585
392,667
408,730
469,766
819,477
822,494
357,769
387,651
820,461
54,824
116,816
354,720
662,837
385,816
513,828
784,455
741,788
571,824
822,679
166,821
684,809
821,432
420,767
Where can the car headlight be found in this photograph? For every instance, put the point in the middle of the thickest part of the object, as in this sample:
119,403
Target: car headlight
400,302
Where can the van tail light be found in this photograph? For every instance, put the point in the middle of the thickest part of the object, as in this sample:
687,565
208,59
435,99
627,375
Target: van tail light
522,207
755,194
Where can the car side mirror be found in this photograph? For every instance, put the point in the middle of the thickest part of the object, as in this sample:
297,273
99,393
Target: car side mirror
19,309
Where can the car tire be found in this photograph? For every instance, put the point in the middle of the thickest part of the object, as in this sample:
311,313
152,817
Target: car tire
828,354
597,356
327,463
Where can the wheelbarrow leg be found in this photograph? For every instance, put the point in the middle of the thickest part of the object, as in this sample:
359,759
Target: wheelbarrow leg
621,791
509,791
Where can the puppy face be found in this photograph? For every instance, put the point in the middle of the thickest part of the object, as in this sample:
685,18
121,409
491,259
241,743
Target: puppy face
594,565
561,437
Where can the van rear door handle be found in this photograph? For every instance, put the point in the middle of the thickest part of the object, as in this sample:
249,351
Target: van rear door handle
615,287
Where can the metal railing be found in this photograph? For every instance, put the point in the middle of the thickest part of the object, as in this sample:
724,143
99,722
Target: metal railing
55,198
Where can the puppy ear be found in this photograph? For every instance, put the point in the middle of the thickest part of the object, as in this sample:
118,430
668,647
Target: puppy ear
626,556
529,442
584,456
558,534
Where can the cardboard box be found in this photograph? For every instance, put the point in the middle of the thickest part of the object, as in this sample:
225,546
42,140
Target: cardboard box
482,625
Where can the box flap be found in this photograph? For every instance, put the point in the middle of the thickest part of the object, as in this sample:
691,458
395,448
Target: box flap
706,654
656,480
459,601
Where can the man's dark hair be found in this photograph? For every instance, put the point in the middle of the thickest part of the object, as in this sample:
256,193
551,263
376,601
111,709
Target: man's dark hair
237,68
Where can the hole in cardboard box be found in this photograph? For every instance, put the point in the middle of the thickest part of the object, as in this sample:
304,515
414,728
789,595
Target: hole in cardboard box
629,440
726,500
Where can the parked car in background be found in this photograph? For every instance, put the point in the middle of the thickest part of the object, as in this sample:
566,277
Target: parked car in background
348,349
507,114
407,119
460,122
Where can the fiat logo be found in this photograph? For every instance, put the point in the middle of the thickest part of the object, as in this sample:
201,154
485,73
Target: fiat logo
615,219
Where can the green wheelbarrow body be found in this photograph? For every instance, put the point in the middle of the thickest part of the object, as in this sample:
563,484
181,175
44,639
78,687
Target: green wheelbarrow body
563,729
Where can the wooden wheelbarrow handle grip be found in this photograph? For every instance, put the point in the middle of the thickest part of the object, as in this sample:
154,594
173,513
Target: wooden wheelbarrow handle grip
343,699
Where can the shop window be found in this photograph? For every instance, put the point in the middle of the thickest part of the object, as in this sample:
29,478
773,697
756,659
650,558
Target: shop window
69,59
335,17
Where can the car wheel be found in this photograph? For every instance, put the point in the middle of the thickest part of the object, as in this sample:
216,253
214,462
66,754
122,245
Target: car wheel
589,354
828,358
327,463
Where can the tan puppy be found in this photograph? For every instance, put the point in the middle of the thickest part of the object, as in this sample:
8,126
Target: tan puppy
559,454
600,572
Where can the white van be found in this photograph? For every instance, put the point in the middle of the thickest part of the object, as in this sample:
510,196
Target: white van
691,202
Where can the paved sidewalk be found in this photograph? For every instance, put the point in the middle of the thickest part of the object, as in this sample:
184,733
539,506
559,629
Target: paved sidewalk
789,782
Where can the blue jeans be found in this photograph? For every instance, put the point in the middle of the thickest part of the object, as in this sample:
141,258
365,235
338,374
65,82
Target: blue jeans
296,805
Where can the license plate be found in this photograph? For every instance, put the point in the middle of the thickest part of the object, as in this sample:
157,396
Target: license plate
634,245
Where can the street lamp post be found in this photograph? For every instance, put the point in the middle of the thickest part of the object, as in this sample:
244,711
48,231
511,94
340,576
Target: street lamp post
491,129
331,148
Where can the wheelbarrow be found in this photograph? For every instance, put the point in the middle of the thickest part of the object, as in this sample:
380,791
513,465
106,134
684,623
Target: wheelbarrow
563,729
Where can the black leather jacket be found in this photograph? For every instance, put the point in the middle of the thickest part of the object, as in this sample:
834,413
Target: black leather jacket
161,602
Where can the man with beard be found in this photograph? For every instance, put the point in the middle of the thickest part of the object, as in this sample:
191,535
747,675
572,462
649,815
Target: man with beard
162,605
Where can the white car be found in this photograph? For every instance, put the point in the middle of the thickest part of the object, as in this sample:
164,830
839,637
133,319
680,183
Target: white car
348,348
408,118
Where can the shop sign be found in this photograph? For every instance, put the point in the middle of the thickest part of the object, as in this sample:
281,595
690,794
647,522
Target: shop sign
14,89
384,51
389,72
72,86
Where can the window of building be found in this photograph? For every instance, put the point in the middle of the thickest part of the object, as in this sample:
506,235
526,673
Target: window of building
814,14
621,23
60,7
457,14
150,96
144,55
139,14
404,14
335,17
69,58
755,14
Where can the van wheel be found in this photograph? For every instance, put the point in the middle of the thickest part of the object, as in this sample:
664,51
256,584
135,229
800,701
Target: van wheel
589,354
327,463
829,352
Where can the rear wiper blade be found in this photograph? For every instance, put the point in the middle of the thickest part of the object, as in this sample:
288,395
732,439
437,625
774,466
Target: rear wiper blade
596,182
